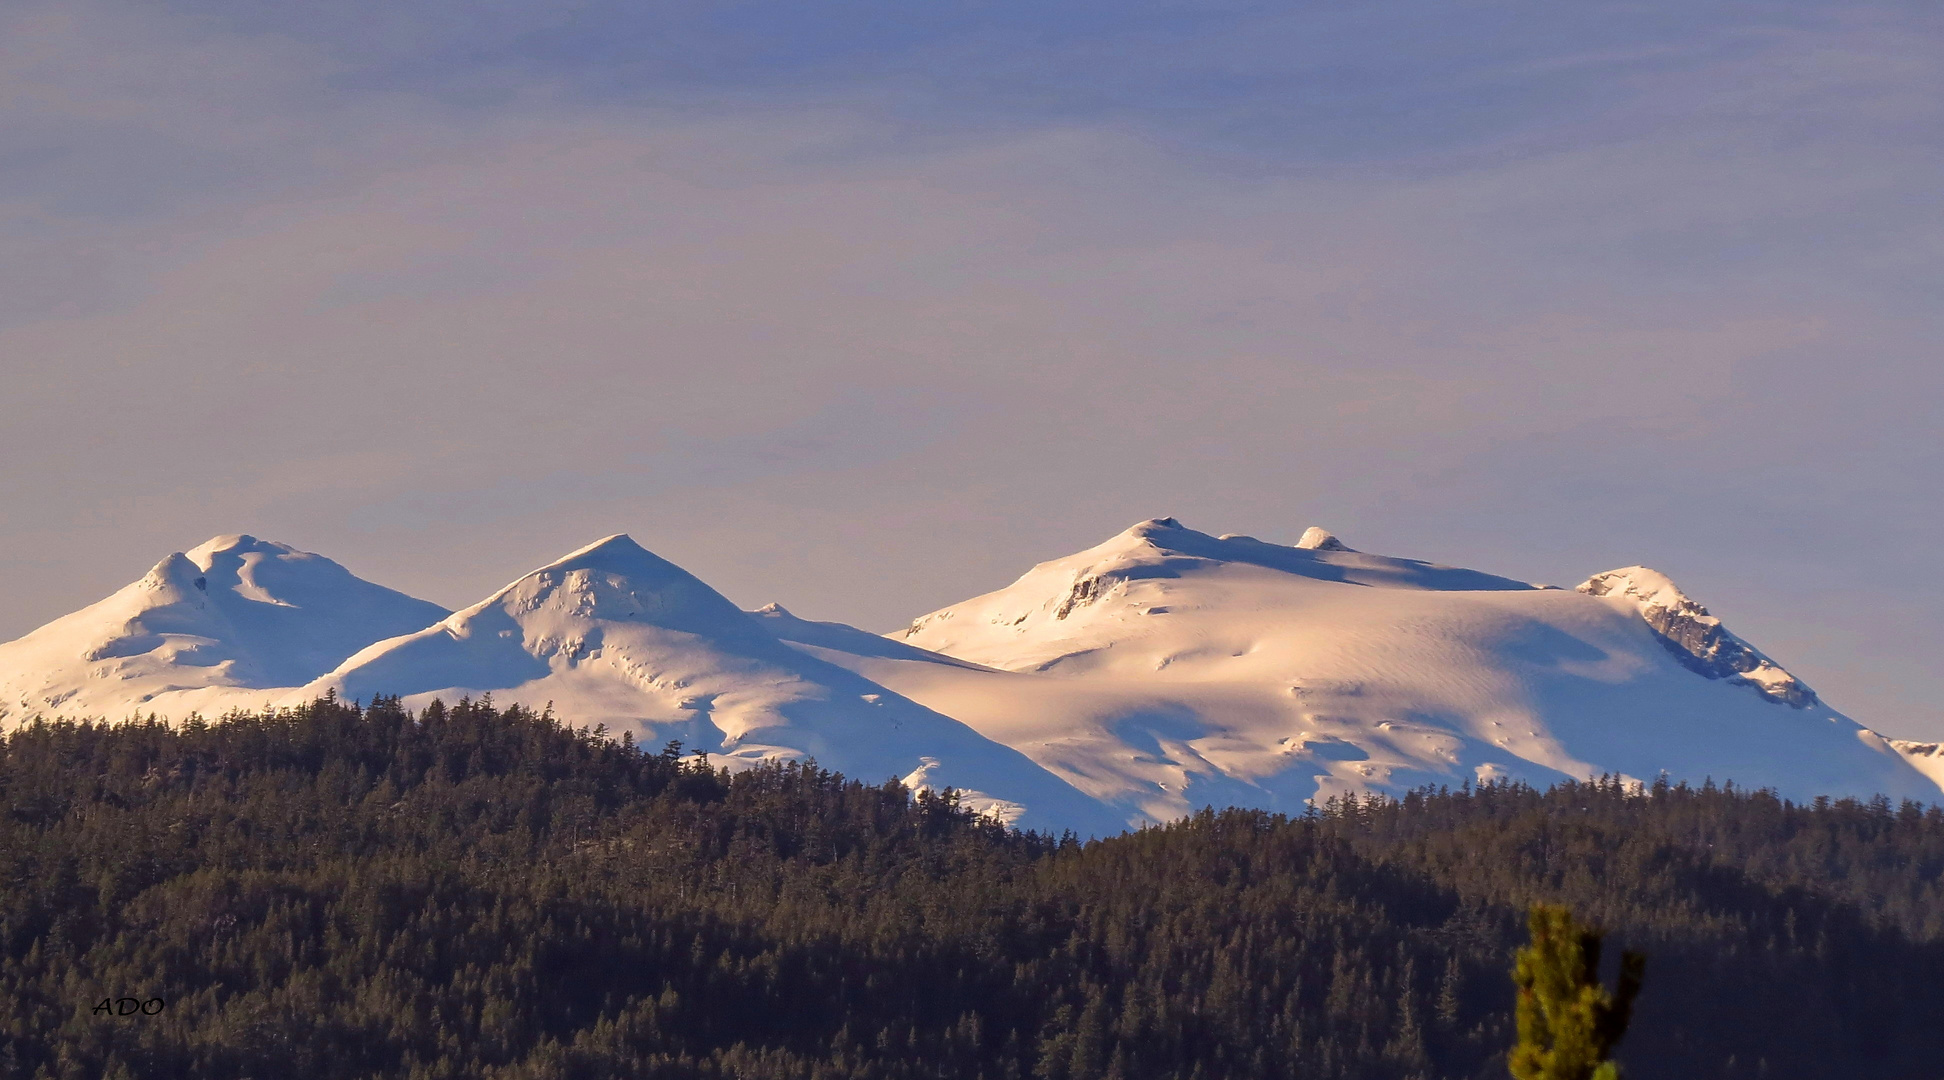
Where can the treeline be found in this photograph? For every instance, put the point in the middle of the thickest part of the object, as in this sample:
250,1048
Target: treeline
336,892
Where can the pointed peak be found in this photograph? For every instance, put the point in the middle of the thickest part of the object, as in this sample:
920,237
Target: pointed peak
1644,585
616,554
1696,638
617,544
774,609
1317,538
621,566
613,583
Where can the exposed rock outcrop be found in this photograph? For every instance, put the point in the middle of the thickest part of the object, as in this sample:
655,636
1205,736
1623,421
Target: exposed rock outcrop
1696,638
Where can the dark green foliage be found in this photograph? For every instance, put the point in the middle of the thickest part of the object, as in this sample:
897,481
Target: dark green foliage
481,893
1568,1021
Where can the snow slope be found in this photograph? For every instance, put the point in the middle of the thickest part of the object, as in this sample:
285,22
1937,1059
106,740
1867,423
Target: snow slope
616,635
205,630
1167,669
1139,680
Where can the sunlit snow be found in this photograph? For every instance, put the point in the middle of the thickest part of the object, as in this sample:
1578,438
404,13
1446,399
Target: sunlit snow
1161,671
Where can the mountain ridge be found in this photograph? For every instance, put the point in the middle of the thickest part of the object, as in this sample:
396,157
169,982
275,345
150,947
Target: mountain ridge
1697,638
1196,668
1132,682
613,634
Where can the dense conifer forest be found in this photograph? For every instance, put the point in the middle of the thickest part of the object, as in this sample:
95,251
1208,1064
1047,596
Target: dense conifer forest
339,892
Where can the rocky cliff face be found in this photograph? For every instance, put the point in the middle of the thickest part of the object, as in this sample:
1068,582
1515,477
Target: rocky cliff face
1696,638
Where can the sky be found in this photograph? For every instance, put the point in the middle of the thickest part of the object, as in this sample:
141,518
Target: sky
865,308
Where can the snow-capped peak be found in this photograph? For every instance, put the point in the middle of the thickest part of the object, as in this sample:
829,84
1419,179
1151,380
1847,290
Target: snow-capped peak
1152,533
178,576
616,579
1067,607
1317,538
619,545
1160,670
265,613
1645,586
614,634
232,614
1163,548
1696,637
205,553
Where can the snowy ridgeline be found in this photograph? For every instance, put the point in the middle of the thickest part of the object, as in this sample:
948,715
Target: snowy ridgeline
1136,681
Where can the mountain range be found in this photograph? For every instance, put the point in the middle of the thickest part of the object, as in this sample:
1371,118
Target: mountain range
1162,671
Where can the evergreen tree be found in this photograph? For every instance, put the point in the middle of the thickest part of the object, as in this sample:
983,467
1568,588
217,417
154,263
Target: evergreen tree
1568,1022
346,893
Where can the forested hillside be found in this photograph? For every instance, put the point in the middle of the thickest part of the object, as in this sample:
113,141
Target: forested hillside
473,892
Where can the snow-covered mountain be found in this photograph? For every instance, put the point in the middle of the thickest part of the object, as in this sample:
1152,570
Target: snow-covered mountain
1166,669
613,634
1136,681
1696,638
208,629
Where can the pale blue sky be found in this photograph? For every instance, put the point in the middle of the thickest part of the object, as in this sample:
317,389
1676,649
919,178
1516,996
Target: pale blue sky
867,307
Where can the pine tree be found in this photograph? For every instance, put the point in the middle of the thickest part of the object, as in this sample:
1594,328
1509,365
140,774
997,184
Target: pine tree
1568,1022
1448,992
